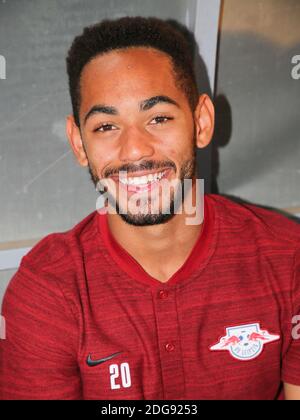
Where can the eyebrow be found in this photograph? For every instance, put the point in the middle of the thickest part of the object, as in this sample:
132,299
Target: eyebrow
101,109
143,106
151,102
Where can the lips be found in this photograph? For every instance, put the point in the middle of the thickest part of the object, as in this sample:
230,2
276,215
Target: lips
142,181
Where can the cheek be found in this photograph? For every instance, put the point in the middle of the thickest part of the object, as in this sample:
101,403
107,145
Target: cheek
174,138
178,145
100,154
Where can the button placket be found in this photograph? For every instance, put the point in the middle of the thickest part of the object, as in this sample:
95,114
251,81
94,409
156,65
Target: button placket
168,333
170,347
163,294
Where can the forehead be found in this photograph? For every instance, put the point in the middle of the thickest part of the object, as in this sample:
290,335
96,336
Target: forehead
134,73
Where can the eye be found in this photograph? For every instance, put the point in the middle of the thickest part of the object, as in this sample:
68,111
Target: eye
105,127
161,119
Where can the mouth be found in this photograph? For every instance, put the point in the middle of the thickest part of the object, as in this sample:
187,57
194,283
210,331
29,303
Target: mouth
143,182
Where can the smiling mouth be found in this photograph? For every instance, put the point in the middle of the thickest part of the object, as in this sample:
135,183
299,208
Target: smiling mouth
145,182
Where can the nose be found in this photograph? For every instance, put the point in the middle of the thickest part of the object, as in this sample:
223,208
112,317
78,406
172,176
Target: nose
136,144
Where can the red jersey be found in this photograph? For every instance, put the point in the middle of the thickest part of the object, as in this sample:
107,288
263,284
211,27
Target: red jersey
85,321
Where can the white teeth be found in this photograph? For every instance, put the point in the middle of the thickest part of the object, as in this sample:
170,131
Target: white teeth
142,180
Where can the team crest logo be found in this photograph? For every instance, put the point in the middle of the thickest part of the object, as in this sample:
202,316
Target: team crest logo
245,342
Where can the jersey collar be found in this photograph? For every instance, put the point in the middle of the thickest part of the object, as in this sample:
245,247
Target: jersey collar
195,262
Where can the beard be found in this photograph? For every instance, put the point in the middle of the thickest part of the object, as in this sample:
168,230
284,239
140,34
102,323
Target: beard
187,171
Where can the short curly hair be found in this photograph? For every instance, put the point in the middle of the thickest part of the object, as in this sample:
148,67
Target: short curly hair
128,32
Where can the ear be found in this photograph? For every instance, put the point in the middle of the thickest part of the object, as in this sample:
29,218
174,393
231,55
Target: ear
75,140
205,121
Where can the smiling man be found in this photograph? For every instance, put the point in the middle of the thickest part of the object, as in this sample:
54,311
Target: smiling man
135,302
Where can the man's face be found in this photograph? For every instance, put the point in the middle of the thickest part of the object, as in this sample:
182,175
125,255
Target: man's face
134,118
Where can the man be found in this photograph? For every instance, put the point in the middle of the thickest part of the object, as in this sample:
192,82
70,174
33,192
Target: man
143,304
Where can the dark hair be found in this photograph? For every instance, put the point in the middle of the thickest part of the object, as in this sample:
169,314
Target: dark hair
127,32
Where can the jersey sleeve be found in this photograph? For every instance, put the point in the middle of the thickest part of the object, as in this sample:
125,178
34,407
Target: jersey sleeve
38,357
291,360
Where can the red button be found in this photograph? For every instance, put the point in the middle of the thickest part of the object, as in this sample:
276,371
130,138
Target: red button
170,347
163,294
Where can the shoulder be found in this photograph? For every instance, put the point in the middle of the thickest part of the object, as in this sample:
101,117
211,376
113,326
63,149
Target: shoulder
256,223
60,250
54,264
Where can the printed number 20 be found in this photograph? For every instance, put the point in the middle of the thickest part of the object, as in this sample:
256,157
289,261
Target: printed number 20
114,371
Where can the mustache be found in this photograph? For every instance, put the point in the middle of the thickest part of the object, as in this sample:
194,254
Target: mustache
144,166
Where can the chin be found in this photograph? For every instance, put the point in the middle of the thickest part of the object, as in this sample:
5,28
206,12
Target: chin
146,219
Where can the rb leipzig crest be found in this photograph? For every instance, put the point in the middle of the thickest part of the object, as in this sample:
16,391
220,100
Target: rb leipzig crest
245,342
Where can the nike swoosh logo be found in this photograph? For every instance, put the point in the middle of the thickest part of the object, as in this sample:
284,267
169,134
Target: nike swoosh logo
92,363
